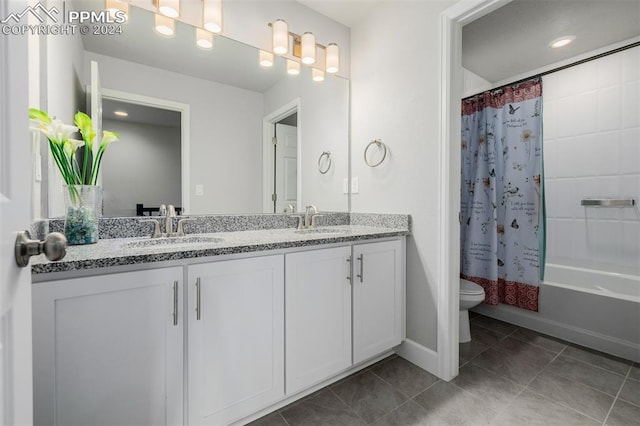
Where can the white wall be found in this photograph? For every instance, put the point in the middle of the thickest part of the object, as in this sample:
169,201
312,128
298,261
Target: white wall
473,84
142,167
395,97
324,121
226,132
592,150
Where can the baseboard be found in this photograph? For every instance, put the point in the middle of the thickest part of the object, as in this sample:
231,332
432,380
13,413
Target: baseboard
580,336
419,355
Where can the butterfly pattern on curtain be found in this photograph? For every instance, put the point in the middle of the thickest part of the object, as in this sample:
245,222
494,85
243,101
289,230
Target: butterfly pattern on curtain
502,211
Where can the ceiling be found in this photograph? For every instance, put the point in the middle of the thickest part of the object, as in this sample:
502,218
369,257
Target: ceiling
514,39
140,114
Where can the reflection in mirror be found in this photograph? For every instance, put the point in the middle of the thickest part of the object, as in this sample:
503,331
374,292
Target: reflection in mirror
226,166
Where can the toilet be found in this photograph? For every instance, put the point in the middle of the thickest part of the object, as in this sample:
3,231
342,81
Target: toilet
471,294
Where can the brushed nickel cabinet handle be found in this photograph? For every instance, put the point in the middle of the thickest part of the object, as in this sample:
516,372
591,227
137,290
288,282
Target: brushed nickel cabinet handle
361,275
175,303
350,276
198,311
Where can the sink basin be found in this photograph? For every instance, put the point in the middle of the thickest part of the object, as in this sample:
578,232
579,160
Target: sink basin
173,242
321,231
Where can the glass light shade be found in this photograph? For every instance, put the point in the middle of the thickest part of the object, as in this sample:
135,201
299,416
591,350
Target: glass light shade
113,6
266,59
332,58
280,34
165,26
317,75
170,8
212,15
204,39
308,48
293,67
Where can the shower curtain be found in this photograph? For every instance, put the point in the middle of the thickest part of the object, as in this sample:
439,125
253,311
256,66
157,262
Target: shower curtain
502,202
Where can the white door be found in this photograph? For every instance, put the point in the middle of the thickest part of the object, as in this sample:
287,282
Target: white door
377,298
235,338
15,195
318,312
286,167
108,350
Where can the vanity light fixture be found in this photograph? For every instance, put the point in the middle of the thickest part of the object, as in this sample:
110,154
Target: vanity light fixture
266,59
308,55
280,37
293,67
305,48
332,58
561,41
204,39
212,15
121,113
113,6
317,75
165,26
170,8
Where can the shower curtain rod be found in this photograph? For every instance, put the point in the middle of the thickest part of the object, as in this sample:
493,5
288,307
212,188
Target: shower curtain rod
563,67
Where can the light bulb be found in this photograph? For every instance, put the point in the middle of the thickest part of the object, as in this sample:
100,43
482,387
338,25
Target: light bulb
212,15
293,67
170,8
317,75
280,33
266,59
561,41
332,58
204,39
165,26
308,48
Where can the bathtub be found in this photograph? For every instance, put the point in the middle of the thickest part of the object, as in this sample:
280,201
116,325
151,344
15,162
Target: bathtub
597,309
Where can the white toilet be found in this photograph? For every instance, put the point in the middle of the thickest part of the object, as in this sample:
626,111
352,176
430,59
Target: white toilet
471,294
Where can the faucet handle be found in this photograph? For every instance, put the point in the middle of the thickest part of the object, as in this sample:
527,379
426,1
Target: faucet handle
171,211
156,227
313,219
162,210
180,231
300,220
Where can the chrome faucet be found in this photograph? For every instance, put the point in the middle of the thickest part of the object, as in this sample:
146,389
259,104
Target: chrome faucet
170,213
310,216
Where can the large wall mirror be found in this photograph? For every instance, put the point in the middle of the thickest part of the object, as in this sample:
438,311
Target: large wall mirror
200,124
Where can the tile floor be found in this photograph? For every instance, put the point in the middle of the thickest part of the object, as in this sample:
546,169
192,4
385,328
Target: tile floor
508,376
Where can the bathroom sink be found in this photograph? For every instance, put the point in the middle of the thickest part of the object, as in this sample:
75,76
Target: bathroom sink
321,231
174,242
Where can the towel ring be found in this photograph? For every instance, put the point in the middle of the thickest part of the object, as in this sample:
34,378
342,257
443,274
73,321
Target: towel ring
324,154
380,144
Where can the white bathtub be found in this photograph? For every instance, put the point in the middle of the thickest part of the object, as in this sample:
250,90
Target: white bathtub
592,308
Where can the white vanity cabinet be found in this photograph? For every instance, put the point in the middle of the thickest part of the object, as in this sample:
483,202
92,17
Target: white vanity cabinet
318,312
108,349
378,298
235,338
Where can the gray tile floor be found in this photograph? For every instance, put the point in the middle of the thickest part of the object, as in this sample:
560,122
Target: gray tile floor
508,376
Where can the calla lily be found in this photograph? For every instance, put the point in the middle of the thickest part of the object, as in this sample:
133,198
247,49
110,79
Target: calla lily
107,138
72,145
58,132
83,121
38,115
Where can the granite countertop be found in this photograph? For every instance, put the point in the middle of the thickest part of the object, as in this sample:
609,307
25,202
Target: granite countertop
130,251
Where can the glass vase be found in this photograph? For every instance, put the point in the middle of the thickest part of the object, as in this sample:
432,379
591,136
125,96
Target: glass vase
82,204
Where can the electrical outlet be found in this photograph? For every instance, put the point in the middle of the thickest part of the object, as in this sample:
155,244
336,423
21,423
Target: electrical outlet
199,190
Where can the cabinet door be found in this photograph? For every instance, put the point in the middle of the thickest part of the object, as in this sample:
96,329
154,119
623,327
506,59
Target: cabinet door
236,338
377,298
318,311
108,349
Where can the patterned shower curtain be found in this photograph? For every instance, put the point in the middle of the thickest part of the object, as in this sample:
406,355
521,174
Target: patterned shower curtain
502,203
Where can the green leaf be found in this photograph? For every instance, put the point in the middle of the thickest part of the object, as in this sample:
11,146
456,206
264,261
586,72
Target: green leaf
36,114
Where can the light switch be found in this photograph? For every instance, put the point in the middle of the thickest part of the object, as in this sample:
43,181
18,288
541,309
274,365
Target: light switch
354,185
200,190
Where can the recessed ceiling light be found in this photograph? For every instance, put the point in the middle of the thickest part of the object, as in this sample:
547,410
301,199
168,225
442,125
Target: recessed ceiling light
561,41
121,113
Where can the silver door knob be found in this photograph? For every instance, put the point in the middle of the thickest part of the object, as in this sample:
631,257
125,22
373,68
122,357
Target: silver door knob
54,247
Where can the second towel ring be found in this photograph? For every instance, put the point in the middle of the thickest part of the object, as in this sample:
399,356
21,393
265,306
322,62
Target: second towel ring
380,144
324,154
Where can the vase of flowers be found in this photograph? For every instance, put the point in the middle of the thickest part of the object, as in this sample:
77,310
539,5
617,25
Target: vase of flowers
79,163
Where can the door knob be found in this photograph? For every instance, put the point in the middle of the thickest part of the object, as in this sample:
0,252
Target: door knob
54,247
